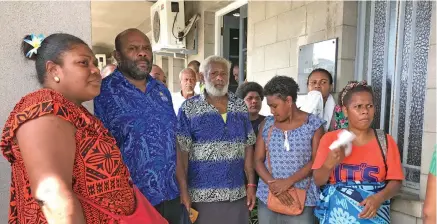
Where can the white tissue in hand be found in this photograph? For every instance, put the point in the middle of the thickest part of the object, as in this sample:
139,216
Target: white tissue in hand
345,138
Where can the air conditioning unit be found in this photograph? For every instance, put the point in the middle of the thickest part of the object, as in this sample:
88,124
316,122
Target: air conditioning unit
168,24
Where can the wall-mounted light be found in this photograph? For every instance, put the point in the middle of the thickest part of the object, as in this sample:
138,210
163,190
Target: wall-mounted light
237,14
235,38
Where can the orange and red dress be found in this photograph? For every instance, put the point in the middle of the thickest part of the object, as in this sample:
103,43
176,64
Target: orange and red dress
99,173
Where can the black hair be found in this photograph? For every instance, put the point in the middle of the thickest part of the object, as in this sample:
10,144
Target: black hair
321,70
282,86
247,87
52,49
194,63
350,92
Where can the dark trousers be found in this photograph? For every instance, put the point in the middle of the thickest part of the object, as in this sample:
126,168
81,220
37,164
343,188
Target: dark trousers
170,210
222,212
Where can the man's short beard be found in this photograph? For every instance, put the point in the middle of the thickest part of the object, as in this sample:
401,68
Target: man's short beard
131,69
189,91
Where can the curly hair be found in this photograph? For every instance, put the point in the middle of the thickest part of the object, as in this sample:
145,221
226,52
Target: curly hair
247,87
282,86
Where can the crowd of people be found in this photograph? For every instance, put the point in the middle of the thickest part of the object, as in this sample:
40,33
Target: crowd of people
151,156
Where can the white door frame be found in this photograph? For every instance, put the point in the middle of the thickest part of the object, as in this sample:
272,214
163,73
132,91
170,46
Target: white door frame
218,50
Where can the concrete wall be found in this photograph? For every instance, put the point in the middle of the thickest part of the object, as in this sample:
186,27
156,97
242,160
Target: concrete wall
18,76
174,67
277,29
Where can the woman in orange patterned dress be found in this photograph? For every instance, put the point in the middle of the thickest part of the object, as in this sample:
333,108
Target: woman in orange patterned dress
58,151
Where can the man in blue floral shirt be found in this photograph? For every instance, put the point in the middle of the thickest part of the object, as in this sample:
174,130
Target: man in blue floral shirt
216,137
138,111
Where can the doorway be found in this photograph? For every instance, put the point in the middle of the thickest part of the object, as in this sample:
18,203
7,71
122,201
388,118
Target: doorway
231,40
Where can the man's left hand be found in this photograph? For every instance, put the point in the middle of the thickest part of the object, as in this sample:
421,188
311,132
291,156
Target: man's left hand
251,197
371,205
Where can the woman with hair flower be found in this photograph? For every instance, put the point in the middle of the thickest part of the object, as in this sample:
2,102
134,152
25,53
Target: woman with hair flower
65,165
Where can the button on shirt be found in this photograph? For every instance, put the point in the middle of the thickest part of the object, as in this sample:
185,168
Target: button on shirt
216,148
144,126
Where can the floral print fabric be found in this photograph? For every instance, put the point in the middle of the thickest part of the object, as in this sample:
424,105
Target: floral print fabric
98,174
340,121
339,203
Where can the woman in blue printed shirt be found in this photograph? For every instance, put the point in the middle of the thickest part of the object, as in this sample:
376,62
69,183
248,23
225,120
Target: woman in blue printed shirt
292,137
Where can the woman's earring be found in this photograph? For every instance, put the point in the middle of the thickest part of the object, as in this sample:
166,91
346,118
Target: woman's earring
57,79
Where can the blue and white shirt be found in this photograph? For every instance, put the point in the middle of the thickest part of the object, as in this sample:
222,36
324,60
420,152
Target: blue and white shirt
144,124
285,163
216,148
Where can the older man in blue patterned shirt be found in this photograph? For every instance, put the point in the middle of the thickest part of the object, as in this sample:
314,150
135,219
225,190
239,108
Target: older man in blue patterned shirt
216,137
138,111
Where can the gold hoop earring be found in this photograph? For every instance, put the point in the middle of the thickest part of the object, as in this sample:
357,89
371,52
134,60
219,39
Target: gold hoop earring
57,79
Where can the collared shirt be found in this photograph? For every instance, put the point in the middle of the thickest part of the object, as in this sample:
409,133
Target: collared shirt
216,148
143,123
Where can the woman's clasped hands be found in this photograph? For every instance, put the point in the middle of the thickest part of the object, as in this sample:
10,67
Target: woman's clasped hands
279,188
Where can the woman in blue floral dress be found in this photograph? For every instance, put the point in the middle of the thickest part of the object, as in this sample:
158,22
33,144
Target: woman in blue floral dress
292,137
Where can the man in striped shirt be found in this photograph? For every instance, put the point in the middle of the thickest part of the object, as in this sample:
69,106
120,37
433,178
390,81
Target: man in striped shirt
216,139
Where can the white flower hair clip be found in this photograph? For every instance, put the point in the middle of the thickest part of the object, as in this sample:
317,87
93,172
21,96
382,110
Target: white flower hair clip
35,41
